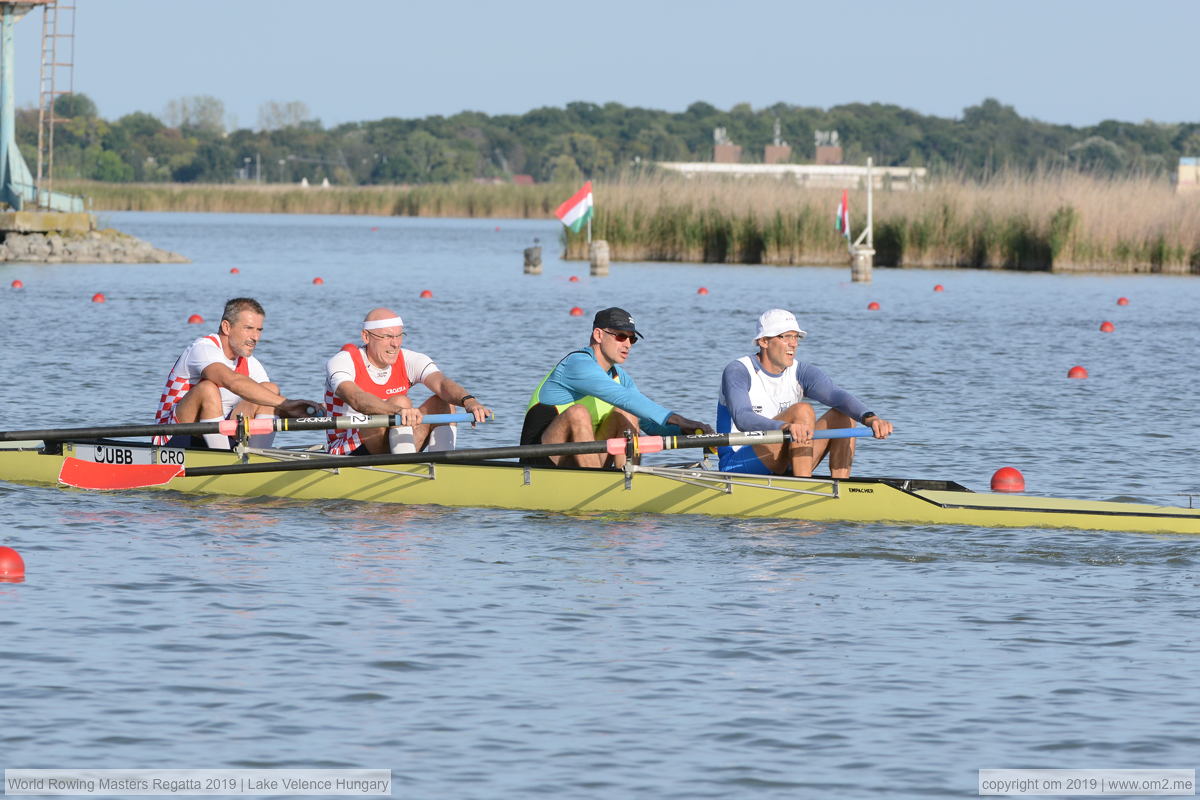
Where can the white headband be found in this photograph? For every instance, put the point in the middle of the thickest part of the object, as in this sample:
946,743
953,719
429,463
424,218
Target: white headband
391,322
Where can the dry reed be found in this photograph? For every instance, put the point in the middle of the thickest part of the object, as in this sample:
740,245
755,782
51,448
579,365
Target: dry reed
1050,221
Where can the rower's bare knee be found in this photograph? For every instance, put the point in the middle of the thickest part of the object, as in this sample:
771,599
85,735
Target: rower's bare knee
436,405
799,412
835,419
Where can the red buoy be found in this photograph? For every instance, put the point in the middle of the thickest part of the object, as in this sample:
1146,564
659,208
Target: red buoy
1107,327
1008,479
374,228
12,566
702,290
98,298
17,284
573,279
497,229
234,271
195,319
872,306
1077,372
426,294
576,312
1122,301
939,288
318,281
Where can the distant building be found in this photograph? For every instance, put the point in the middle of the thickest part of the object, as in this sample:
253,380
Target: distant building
829,151
777,154
727,154
1188,177
813,176
725,151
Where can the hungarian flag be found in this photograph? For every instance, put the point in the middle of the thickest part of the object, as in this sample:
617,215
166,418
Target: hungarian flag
576,212
842,223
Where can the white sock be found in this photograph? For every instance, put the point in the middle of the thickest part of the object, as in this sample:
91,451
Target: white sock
217,441
443,437
400,440
262,439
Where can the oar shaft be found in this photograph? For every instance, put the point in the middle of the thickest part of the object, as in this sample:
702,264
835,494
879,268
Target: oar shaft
229,427
644,444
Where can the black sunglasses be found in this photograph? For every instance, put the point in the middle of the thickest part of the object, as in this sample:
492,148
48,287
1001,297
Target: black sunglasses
621,336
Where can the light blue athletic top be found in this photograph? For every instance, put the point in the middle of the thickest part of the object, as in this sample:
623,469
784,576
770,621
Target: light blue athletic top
579,375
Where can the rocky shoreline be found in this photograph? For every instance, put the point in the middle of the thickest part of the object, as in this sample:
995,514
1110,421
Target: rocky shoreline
94,247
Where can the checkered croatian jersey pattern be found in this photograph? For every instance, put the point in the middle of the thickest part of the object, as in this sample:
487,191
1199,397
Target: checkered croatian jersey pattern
179,383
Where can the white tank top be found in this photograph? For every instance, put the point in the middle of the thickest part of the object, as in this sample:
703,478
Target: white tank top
769,394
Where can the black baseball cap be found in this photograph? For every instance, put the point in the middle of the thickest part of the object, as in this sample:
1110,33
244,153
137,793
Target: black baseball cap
616,318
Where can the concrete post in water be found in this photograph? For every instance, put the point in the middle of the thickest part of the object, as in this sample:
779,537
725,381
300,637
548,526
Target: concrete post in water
598,255
533,259
862,259
862,252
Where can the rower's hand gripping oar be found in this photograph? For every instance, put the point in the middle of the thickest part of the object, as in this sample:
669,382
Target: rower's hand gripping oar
230,427
92,475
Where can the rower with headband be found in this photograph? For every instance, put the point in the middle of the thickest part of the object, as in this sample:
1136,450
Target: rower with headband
374,377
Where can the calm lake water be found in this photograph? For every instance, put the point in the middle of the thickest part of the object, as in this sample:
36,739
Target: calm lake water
506,654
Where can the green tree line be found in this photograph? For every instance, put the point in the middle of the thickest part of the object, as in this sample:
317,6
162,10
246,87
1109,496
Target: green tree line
190,143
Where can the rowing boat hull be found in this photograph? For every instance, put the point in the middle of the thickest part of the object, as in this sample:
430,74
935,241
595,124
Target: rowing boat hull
654,490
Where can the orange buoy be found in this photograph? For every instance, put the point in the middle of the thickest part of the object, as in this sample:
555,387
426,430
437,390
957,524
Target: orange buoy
318,281
576,312
1107,327
1077,372
234,271
195,319
573,279
702,290
426,294
872,306
1008,479
1122,301
939,288
12,566
17,284
98,298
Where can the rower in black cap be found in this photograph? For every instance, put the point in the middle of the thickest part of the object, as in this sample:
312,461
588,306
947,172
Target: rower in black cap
588,396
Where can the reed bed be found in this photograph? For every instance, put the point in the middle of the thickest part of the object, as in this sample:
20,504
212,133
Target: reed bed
430,200
1050,221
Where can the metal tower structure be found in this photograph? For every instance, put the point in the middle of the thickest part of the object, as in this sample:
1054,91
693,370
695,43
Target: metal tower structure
17,186
58,54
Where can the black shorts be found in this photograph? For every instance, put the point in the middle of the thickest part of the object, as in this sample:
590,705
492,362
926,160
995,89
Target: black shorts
537,419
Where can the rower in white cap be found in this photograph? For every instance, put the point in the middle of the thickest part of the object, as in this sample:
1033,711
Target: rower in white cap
374,378
763,392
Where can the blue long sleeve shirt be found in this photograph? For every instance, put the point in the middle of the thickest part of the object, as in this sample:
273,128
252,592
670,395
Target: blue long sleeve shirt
579,375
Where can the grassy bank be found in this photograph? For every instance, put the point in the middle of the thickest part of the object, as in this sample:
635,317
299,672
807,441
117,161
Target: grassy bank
1063,222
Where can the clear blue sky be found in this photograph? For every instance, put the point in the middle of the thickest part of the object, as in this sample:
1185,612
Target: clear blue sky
1075,62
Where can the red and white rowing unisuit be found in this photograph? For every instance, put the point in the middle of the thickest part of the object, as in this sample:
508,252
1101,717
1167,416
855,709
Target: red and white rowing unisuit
350,364
189,370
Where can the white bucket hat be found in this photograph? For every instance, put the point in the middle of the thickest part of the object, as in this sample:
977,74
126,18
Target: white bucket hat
775,322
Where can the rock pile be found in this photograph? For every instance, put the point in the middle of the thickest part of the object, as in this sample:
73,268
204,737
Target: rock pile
95,247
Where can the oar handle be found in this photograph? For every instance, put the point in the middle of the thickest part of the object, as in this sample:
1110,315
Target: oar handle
229,427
